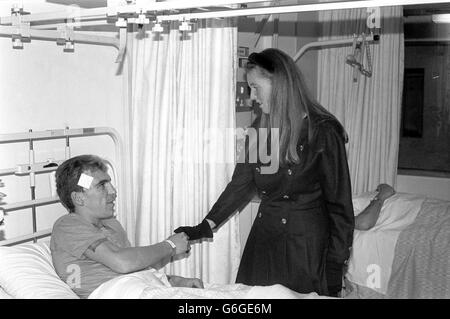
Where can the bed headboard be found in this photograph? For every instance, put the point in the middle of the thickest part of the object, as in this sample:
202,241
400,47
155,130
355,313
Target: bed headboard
32,168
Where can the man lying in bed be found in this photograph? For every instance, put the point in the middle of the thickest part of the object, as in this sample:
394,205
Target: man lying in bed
89,246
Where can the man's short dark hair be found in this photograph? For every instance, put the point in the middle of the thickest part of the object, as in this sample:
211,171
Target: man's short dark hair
69,172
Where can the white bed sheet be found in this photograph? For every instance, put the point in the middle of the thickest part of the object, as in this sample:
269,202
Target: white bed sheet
4,294
370,264
373,250
152,284
26,272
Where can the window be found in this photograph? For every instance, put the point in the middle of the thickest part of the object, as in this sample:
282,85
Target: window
412,103
425,122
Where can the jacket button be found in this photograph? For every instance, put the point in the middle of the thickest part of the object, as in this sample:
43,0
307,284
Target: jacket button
283,221
264,192
286,197
289,172
301,148
259,215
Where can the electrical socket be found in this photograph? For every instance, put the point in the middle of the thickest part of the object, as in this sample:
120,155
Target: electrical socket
243,95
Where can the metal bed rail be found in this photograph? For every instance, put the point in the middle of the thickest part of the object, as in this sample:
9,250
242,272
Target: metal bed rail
33,168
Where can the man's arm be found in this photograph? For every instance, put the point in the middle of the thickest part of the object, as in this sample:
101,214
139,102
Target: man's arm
130,259
369,216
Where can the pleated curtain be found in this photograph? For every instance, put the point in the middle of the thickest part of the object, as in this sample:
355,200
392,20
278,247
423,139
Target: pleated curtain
370,107
182,104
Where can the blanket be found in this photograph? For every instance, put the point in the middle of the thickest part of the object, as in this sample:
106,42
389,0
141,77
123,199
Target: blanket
421,268
373,251
4,294
406,254
153,284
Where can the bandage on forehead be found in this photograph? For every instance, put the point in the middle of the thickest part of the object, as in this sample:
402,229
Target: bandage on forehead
85,181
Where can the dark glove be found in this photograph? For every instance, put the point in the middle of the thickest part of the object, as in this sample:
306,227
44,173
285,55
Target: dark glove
202,230
334,272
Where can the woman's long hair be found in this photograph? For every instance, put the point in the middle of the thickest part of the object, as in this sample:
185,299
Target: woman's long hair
291,103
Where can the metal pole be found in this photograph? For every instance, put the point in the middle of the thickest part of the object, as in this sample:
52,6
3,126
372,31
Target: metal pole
32,186
67,144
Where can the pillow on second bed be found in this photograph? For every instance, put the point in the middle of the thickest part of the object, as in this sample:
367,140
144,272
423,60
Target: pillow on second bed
26,272
3,294
361,201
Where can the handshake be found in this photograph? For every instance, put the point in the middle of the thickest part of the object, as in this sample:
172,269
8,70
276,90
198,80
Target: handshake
186,233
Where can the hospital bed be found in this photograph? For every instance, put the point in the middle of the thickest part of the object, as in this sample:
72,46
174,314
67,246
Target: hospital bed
27,272
28,266
26,269
405,255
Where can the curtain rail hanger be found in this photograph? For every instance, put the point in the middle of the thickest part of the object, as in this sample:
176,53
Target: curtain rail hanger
216,7
360,50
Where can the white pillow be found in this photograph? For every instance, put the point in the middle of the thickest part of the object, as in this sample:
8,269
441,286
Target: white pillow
26,272
362,201
4,295
373,251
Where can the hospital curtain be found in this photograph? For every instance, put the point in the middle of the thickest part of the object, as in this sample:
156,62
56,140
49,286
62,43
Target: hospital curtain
370,107
182,103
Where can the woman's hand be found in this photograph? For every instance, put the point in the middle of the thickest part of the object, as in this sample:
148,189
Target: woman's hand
202,230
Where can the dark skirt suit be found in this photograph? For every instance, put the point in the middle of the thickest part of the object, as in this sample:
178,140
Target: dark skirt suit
303,231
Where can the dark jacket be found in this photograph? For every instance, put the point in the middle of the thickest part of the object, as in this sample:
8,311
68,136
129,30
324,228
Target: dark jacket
303,232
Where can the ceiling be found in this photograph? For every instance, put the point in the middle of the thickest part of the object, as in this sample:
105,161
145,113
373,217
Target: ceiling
81,3
426,9
413,10
414,14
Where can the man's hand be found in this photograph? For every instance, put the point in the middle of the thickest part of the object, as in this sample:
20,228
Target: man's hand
177,281
385,191
181,242
202,230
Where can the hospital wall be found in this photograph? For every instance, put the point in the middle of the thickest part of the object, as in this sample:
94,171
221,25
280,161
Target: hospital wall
293,32
436,187
42,88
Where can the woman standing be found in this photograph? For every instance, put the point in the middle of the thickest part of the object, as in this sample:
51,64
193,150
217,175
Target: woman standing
302,235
